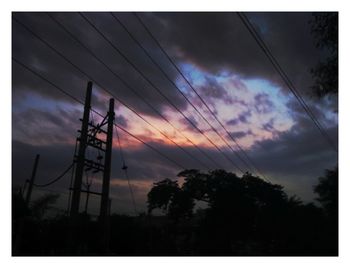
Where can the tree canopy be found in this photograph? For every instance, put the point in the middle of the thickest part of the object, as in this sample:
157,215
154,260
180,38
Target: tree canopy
324,27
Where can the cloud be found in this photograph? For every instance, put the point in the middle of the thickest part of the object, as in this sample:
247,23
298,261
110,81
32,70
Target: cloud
213,90
240,134
121,120
222,56
229,46
46,127
187,123
296,158
241,118
42,59
263,104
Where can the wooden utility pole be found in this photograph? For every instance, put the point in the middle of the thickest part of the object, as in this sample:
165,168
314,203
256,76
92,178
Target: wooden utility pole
32,179
20,226
88,139
104,215
81,153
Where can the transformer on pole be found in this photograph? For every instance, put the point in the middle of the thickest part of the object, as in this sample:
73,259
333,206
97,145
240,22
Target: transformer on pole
102,143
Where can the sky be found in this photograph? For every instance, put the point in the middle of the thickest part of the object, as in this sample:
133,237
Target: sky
217,56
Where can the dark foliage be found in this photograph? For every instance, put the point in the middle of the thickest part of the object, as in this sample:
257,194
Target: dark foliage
249,216
243,216
327,189
324,27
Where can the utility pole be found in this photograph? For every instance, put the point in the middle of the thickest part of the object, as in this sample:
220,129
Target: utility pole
18,237
89,138
107,165
81,153
32,179
105,202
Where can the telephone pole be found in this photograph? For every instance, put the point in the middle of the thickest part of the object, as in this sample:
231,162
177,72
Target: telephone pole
107,165
81,153
96,137
32,179
105,201
18,237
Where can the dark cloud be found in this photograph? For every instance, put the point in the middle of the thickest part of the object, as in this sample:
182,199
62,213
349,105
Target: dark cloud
144,165
42,59
213,90
233,122
263,104
188,125
45,121
241,118
296,158
228,44
239,134
270,127
121,120
53,160
46,127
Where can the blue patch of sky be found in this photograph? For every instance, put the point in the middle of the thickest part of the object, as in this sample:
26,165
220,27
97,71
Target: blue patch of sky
256,86
279,99
193,75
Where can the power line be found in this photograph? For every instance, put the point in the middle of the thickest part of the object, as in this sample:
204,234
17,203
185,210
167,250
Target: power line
66,171
88,76
172,82
158,90
138,95
99,114
72,178
103,88
284,76
125,168
199,96
46,80
56,179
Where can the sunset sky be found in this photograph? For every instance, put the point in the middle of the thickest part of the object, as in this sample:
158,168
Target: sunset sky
222,62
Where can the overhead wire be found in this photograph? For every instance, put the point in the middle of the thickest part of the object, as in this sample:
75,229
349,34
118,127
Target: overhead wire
65,172
103,88
173,84
157,89
71,178
284,77
96,112
200,97
125,169
56,179
139,96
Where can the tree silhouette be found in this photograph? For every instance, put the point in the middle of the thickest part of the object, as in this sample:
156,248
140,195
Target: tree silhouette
239,216
161,194
324,27
244,216
327,190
